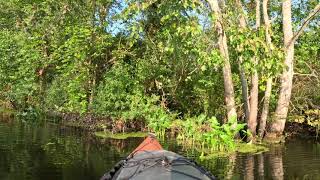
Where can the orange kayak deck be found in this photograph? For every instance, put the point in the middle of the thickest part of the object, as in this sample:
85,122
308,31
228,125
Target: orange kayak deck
149,144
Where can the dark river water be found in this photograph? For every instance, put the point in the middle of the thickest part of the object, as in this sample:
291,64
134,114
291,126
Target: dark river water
51,151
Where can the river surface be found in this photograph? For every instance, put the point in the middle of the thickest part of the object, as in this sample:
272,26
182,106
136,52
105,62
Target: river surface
51,151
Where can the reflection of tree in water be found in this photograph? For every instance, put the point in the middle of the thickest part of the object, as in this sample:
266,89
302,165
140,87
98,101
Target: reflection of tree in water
231,166
48,152
119,145
276,162
221,167
260,160
249,168
259,166
6,118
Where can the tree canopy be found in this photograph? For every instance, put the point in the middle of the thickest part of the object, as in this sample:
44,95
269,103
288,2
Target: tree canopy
158,61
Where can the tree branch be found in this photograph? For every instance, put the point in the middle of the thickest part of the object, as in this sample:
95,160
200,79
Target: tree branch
305,23
243,21
302,74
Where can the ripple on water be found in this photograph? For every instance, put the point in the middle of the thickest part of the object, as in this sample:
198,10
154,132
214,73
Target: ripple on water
48,152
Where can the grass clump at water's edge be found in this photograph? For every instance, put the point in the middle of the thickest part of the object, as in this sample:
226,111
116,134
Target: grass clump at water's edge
107,134
251,148
240,148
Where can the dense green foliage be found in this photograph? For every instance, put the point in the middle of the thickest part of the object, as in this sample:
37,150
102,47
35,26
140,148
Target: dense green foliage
208,133
155,61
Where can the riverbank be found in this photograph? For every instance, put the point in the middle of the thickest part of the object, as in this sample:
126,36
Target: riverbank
294,129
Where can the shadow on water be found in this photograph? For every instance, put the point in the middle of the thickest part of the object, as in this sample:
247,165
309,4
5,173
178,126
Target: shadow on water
50,151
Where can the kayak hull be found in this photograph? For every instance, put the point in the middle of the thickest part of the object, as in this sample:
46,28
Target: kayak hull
150,161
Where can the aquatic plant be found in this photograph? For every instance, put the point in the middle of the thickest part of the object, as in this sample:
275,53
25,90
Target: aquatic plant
207,133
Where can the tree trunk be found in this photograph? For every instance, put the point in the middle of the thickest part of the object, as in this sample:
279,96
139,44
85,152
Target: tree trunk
252,122
244,88
92,67
265,109
244,84
227,75
267,93
277,126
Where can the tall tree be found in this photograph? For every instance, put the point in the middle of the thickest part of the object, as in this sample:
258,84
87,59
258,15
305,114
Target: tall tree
267,94
277,126
252,121
223,47
244,83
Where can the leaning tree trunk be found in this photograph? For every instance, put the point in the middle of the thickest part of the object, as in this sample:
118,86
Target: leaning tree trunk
277,126
252,122
244,84
267,93
265,108
244,89
223,47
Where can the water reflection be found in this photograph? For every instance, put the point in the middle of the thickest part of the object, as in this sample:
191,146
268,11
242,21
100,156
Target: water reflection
249,168
275,162
49,151
260,161
231,165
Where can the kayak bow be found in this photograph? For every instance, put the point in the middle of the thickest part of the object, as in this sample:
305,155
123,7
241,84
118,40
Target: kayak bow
149,144
150,161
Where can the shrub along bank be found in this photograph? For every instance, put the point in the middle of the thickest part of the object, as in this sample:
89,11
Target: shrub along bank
159,65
